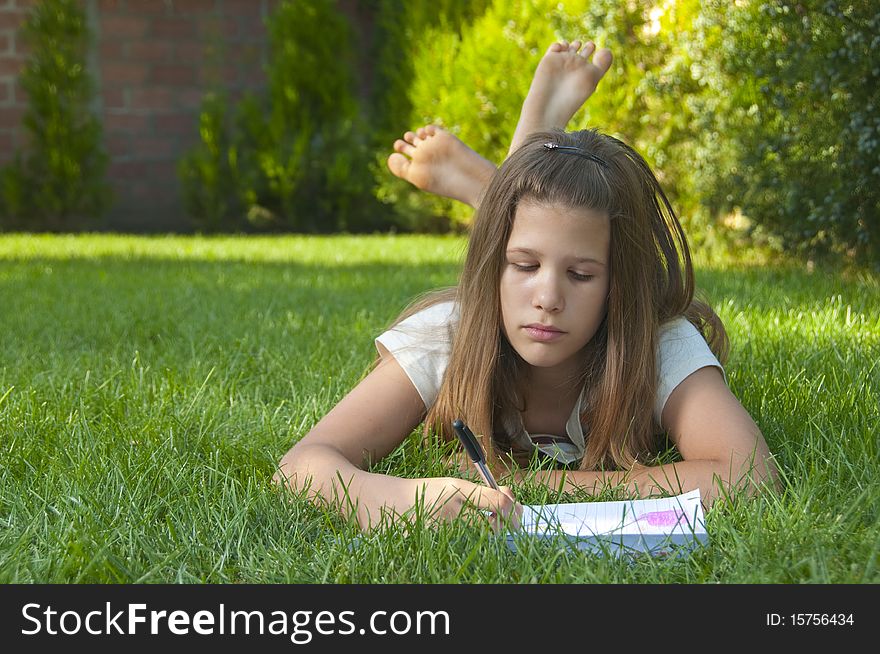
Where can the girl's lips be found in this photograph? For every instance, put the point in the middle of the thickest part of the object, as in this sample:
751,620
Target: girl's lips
545,335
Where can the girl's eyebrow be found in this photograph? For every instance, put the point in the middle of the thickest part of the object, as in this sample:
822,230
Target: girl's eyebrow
534,253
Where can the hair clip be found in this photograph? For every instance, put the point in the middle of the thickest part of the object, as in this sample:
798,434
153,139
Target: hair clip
577,151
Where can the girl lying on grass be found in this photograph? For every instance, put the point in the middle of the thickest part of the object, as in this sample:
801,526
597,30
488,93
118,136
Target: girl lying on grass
572,337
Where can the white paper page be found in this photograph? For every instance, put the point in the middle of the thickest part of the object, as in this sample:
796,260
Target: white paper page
682,514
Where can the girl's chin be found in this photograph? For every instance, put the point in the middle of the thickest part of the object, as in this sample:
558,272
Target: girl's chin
540,359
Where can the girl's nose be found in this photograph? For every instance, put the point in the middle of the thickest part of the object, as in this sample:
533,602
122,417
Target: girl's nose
548,296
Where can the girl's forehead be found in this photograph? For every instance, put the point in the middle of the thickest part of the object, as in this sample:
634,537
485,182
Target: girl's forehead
558,222
560,232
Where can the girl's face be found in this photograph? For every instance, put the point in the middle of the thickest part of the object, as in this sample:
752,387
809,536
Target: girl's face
554,284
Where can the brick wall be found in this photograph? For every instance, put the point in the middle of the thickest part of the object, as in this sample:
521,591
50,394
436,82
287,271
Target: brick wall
12,98
152,61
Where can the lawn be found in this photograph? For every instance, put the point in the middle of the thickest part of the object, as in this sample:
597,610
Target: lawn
148,387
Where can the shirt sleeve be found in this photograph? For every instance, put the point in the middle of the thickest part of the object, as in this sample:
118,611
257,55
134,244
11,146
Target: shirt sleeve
681,351
421,344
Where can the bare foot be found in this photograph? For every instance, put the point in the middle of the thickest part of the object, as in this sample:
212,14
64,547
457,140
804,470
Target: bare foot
564,79
434,160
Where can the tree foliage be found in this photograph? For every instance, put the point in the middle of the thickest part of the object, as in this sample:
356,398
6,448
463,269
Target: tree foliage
803,120
57,181
764,107
296,158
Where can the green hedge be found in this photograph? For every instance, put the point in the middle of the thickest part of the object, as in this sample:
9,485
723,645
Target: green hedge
802,121
297,158
57,182
765,108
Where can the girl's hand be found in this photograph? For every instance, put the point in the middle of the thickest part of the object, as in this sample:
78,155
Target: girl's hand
448,498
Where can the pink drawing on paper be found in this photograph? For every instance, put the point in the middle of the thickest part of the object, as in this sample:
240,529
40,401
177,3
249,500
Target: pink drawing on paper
668,518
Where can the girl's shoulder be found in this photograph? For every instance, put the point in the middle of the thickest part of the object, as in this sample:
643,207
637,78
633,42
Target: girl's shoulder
677,328
436,315
680,342
421,344
681,351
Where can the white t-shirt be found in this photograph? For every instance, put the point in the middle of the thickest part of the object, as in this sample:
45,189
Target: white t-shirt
422,344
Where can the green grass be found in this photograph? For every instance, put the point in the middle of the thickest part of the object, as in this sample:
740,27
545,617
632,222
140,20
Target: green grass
148,386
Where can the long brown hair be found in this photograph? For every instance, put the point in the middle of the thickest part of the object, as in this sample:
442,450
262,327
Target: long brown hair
651,282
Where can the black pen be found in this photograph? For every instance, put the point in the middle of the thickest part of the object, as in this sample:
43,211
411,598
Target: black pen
475,451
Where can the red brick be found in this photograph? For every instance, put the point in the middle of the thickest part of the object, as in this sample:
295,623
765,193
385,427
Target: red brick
124,73
7,92
216,27
21,139
252,27
174,28
150,6
128,170
173,75
242,7
105,6
11,20
229,75
114,97
19,95
190,7
116,121
7,146
154,148
190,51
10,67
112,50
123,27
139,170
251,54
20,47
118,145
7,43
190,98
145,191
177,124
10,117
152,99
150,51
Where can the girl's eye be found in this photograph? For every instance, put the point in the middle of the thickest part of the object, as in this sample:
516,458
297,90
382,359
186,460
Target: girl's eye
531,267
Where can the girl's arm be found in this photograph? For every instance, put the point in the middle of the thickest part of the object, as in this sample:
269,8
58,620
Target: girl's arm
722,447
367,424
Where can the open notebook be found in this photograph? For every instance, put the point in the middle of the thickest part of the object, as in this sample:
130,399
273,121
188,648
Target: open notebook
657,526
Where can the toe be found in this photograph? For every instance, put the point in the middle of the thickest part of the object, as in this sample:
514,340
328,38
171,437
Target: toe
431,129
409,137
404,148
589,48
555,47
421,133
603,59
398,165
575,46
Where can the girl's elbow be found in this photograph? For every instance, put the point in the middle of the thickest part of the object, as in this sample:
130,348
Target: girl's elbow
755,473
285,474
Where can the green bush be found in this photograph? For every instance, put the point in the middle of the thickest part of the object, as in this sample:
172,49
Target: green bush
803,121
207,174
472,81
57,182
403,30
768,109
296,159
